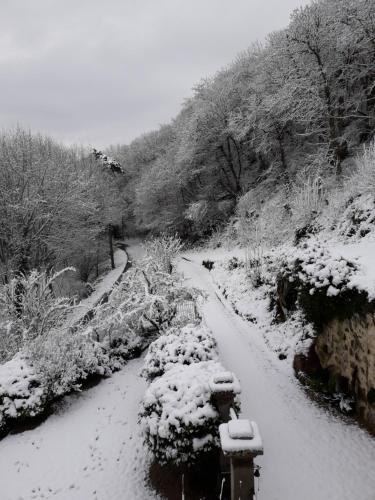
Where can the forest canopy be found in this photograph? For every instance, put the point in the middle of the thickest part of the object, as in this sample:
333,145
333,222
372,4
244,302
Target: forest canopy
302,100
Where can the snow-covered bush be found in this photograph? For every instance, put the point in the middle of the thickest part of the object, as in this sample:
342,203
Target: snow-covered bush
362,181
22,393
161,250
315,267
197,211
307,198
11,339
264,214
351,208
254,258
324,284
30,306
63,359
178,419
118,323
190,344
358,218
145,301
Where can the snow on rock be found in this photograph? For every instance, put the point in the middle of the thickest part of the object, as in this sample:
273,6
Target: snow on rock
190,344
177,416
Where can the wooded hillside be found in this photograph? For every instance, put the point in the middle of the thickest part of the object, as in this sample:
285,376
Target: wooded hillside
302,103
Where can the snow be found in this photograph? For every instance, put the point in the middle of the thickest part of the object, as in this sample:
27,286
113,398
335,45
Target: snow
240,429
225,382
285,339
310,452
362,253
102,286
21,393
239,437
90,449
177,411
190,344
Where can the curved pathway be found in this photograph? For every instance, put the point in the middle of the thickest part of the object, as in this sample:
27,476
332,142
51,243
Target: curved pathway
310,454
102,287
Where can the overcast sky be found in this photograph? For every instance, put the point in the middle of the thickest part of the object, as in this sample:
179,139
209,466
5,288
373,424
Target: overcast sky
99,72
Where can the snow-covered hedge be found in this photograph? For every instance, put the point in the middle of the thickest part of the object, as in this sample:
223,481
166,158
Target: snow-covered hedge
314,266
178,419
190,344
22,393
326,286
63,360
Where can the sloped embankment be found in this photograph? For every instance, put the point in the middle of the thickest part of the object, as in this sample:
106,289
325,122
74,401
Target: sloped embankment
327,288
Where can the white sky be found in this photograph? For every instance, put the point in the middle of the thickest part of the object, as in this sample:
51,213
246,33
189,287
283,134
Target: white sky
103,72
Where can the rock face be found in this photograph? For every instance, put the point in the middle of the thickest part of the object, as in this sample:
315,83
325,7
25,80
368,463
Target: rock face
343,352
346,348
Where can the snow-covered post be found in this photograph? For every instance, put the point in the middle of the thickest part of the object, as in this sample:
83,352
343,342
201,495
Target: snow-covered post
241,443
224,387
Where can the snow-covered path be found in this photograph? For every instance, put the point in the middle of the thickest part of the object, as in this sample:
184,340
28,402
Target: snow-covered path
309,453
102,286
89,450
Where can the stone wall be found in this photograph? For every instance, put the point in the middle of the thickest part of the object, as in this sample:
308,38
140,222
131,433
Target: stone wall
346,348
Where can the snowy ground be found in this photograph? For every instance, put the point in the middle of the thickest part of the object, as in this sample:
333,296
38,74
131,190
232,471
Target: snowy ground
89,449
310,453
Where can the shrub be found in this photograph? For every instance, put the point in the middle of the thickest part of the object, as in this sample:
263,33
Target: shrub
358,218
11,340
144,302
307,198
264,212
162,250
22,393
234,263
191,344
63,359
323,284
178,420
29,304
362,181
